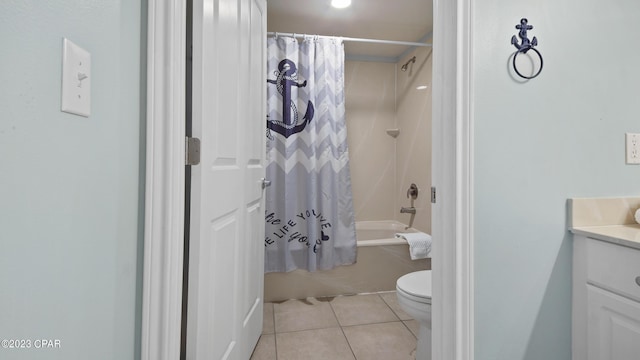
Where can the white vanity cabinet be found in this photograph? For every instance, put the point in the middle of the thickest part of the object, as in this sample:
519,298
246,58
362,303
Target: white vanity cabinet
606,300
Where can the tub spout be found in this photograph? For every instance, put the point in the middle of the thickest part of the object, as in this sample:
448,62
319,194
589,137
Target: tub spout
407,210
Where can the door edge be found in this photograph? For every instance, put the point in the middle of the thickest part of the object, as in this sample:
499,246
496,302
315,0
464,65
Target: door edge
165,180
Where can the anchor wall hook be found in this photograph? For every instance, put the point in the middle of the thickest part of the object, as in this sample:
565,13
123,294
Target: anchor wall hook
524,46
526,43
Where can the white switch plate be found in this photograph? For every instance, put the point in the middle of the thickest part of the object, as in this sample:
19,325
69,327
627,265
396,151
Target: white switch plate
76,79
633,148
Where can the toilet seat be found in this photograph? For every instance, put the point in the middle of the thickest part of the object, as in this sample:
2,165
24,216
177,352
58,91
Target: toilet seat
416,286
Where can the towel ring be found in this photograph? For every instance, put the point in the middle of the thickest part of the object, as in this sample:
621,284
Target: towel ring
524,46
524,51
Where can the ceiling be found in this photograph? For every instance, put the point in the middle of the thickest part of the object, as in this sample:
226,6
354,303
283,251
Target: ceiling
401,20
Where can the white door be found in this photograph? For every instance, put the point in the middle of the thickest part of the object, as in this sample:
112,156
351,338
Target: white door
226,261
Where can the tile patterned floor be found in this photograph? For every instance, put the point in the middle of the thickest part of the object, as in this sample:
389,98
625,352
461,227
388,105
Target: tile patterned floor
358,327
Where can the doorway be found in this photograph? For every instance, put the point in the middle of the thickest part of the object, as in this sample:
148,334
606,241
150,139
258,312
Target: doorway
164,223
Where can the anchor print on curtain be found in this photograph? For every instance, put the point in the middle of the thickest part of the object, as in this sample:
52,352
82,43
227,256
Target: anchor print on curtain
309,207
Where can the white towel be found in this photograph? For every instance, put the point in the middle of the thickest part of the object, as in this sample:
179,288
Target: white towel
419,244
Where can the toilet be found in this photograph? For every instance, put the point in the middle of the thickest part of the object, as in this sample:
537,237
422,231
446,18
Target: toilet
414,296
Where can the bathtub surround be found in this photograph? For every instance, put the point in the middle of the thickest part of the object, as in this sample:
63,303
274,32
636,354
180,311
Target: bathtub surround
370,111
309,209
381,98
413,145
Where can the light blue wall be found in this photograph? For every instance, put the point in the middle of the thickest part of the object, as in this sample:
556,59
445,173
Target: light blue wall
538,143
70,210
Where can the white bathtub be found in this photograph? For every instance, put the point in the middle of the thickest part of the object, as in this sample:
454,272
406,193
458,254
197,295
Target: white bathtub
381,260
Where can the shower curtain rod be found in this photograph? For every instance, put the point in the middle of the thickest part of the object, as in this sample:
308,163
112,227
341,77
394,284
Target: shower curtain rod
376,41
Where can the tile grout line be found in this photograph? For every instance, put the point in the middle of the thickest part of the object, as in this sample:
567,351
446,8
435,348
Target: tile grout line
342,330
389,306
406,326
402,321
275,333
399,319
312,329
375,323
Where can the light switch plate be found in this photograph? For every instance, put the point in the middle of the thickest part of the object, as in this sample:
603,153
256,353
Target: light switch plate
632,142
76,79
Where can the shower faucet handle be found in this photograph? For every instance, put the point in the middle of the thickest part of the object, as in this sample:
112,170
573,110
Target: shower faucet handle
412,193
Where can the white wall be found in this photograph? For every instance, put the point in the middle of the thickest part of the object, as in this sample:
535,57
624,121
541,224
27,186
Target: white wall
538,143
70,210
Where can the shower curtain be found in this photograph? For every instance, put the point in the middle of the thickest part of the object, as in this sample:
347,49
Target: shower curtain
309,207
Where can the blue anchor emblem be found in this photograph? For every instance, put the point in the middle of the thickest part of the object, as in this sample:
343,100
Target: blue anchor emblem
526,44
287,77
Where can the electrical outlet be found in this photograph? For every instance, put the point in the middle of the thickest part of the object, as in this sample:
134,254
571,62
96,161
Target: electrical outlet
633,148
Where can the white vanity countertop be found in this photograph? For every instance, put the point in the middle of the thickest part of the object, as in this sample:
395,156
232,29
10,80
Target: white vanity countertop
606,219
627,235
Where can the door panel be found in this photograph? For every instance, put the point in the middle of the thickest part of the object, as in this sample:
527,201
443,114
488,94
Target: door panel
226,257
255,159
613,326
